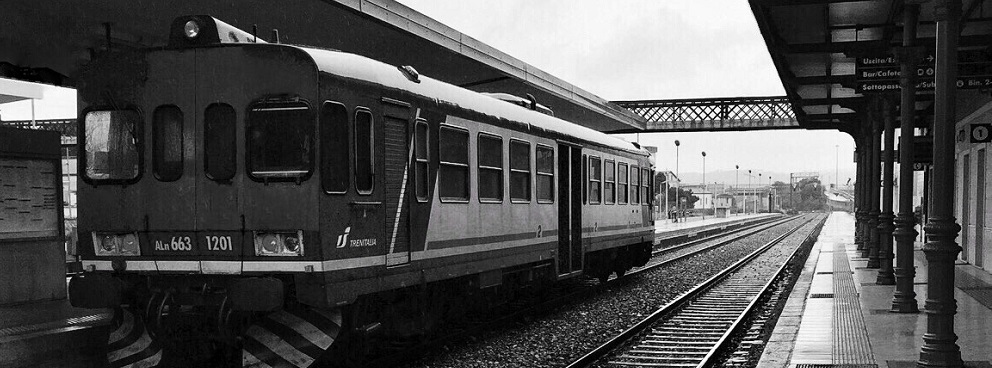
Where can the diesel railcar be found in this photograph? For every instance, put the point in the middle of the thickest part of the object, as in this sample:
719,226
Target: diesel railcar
292,197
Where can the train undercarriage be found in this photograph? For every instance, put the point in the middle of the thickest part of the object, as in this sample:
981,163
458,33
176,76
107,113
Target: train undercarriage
233,321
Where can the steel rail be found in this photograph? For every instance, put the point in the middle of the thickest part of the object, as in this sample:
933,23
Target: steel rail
625,336
660,237
710,358
394,357
723,233
730,238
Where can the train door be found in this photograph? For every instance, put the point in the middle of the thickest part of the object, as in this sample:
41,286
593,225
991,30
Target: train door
396,143
569,209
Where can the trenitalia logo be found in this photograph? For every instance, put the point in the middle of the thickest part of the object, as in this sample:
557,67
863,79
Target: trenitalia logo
343,238
357,243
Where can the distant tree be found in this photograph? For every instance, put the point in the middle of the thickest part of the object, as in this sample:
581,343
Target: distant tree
688,199
808,195
784,197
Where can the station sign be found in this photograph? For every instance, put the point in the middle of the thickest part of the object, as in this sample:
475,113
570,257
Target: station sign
879,74
980,133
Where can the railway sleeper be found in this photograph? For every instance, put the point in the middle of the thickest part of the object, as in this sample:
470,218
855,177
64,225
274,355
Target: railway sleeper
661,358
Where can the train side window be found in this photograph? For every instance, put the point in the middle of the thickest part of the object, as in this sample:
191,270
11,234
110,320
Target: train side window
520,172
595,180
334,150
364,157
622,183
167,143
453,169
545,174
220,158
490,168
113,149
635,185
280,141
647,183
609,182
422,157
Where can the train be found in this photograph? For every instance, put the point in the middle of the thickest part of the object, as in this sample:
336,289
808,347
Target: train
294,203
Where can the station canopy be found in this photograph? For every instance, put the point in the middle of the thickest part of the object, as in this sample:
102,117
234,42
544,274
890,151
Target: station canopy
833,56
49,41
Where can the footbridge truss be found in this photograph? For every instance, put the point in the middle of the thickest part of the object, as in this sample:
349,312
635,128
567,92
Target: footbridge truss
714,114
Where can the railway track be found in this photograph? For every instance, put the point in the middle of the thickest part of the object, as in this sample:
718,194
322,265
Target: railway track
674,253
584,289
691,330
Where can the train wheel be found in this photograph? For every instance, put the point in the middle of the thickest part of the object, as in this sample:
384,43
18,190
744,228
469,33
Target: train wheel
290,338
129,344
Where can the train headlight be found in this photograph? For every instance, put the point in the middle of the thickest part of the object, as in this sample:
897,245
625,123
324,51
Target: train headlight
108,243
128,245
269,243
292,244
116,244
192,29
279,243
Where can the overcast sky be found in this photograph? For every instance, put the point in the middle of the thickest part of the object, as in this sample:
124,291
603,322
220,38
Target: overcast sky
629,50
651,49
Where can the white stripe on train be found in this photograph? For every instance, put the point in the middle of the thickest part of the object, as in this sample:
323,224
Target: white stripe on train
304,328
144,342
278,345
235,267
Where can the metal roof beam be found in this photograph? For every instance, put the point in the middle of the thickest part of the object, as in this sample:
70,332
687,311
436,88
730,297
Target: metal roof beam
808,2
844,79
862,47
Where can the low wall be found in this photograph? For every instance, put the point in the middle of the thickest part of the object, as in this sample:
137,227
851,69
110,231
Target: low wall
31,270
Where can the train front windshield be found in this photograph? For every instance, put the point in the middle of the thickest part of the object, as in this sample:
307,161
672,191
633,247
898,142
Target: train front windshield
280,139
111,144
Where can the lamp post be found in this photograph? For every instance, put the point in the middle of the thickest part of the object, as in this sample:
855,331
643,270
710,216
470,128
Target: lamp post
737,178
678,185
757,201
749,176
668,184
836,167
705,187
771,197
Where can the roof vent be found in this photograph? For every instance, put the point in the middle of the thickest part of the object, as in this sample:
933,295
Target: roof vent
529,103
410,73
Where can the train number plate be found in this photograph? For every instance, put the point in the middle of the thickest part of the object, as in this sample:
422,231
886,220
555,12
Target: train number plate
214,243
173,243
189,243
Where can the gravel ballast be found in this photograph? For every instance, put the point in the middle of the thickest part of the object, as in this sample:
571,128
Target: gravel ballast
557,338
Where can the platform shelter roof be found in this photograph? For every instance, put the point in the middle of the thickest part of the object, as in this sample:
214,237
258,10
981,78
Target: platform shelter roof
834,56
49,41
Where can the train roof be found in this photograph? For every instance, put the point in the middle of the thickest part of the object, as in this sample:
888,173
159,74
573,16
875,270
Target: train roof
358,67
204,30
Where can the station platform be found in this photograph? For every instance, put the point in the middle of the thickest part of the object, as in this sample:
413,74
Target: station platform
670,233
837,315
31,319
701,222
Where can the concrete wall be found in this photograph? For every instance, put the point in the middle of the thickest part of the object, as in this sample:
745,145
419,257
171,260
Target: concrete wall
31,270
